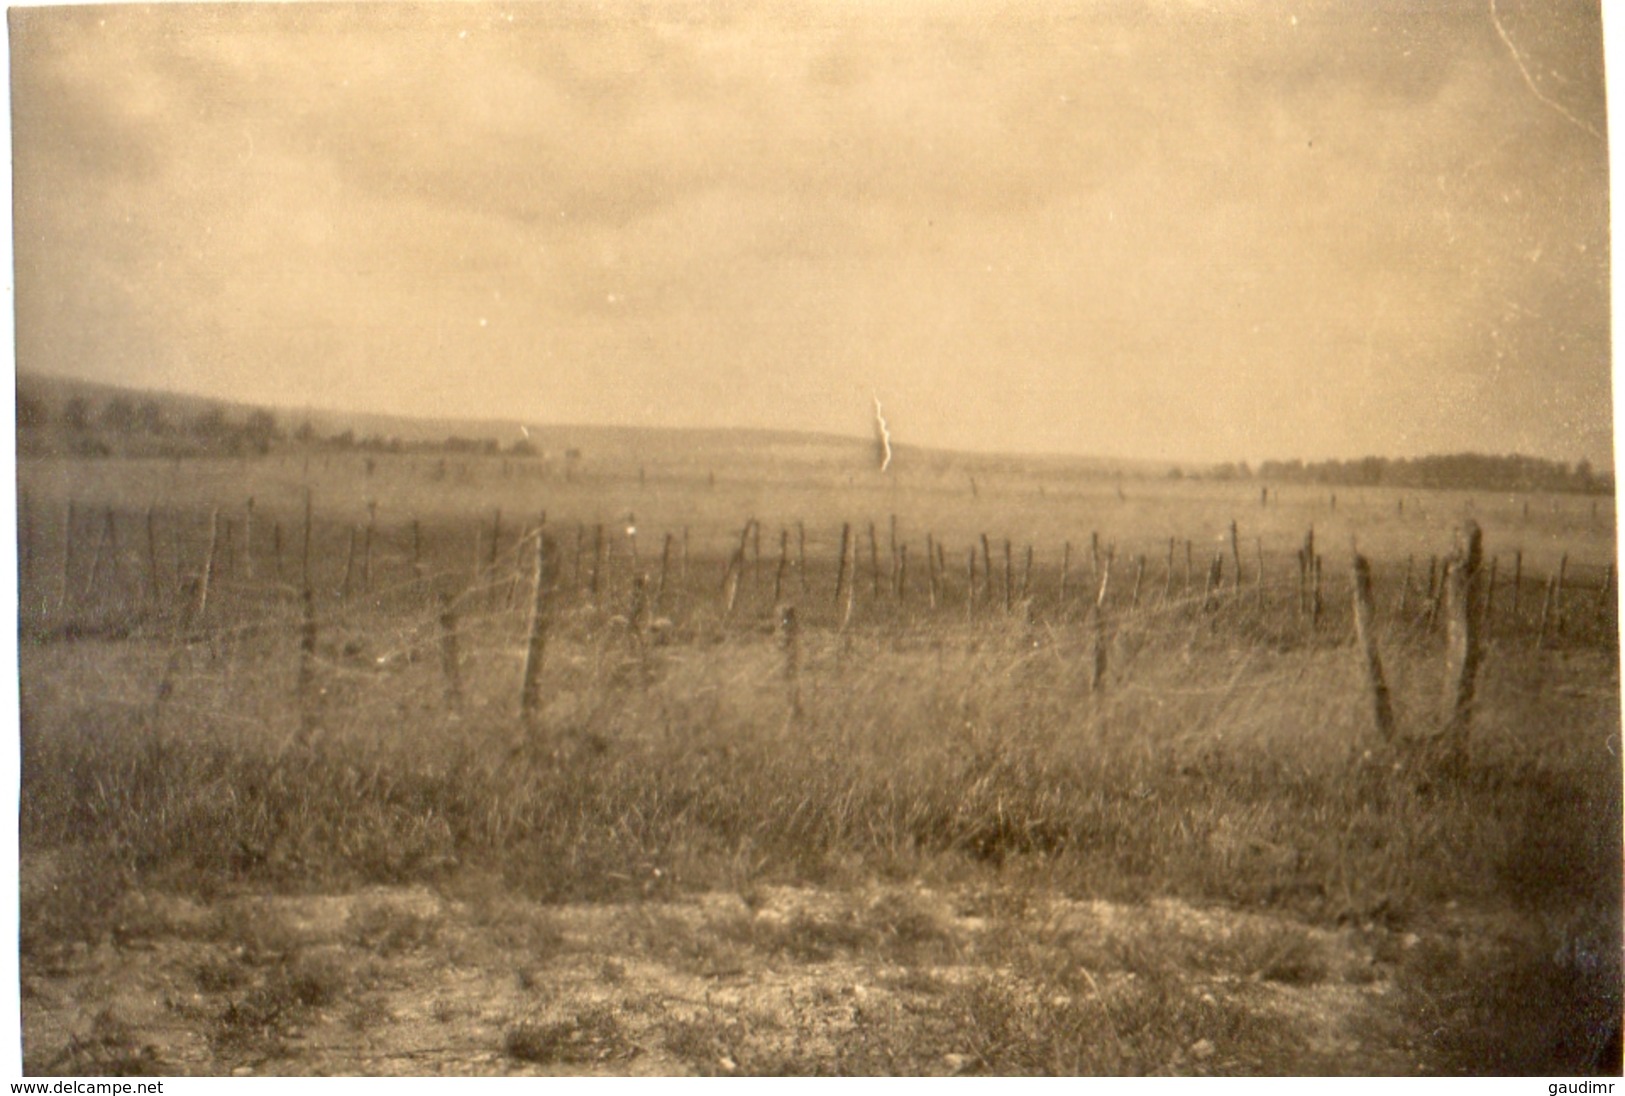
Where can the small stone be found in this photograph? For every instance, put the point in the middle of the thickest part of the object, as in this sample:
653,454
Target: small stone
1209,1000
1202,1049
956,1062
243,1071
727,1064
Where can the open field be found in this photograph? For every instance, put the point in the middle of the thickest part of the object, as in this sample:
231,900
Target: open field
945,823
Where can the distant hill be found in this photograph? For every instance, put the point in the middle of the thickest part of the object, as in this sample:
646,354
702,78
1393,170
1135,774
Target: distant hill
58,415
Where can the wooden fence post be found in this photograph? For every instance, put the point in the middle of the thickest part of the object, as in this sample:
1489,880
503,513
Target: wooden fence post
1097,675
1317,603
801,555
1066,566
530,689
207,578
841,578
1190,567
1258,545
902,573
1405,589
665,567
930,571
1139,576
581,546
1464,643
784,565
1235,556
417,547
1168,583
987,570
450,662
1382,707
276,551
942,573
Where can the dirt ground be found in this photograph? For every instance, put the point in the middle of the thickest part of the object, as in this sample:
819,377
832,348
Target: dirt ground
469,980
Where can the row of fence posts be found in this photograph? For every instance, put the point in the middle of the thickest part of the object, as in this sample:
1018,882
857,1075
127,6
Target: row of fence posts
221,554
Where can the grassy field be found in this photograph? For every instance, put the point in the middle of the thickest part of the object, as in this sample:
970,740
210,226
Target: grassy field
916,839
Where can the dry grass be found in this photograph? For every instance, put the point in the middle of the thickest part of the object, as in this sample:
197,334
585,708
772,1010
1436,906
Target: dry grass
1228,760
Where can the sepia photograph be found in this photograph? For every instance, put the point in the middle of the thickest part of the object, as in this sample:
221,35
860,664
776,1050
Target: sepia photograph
815,538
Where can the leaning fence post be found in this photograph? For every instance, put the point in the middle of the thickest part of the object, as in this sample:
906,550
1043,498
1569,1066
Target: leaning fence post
1139,577
1382,707
531,687
207,578
1235,556
1546,612
96,556
930,571
1464,644
840,566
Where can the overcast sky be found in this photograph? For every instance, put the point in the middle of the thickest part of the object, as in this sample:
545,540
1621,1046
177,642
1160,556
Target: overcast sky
1197,230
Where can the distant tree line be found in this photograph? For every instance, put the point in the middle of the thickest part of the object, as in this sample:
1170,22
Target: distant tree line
1466,471
148,425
